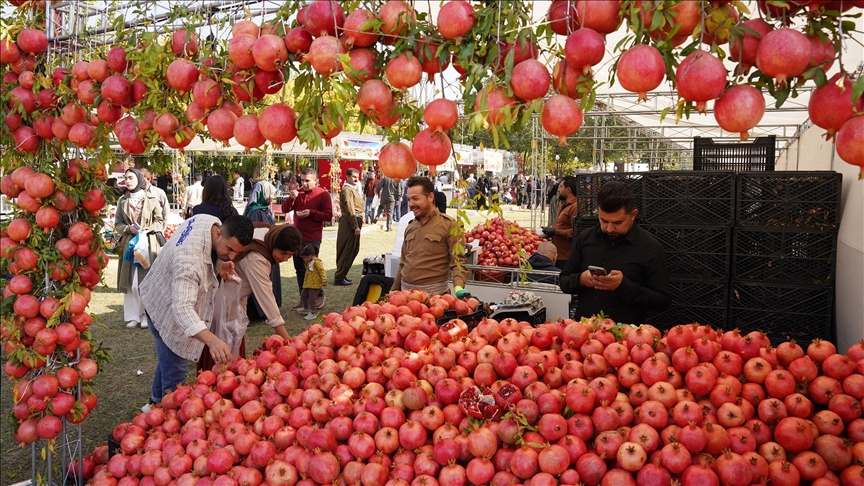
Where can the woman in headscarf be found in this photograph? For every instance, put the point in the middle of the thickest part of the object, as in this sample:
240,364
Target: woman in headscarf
138,211
271,245
215,200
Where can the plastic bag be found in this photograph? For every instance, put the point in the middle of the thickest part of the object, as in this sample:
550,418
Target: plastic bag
229,316
129,254
141,251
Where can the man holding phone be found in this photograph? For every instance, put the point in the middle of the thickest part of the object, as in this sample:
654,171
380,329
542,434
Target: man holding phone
617,267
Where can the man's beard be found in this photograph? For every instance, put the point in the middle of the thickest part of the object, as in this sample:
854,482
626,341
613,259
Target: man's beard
562,197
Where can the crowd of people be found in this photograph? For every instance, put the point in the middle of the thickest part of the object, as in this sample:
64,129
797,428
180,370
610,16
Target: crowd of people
218,254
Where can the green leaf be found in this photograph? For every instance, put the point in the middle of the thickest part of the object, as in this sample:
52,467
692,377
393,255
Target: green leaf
858,88
781,95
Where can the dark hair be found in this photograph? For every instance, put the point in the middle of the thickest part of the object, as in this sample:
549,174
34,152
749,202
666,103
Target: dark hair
216,192
289,239
423,182
351,171
309,170
570,183
616,195
198,177
239,227
309,250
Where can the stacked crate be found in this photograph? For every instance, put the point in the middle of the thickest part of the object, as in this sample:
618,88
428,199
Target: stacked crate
691,214
784,254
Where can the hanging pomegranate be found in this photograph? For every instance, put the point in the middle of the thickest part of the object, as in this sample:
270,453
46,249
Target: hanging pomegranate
830,105
431,147
247,133
739,109
850,143
783,54
561,116
276,124
396,161
456,19
584,49
743,50
701,77
641,69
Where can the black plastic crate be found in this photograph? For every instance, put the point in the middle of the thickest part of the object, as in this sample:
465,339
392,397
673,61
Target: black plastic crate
693,301
787,256
695,251
689,198
588,186
758,155
782,311
521,314
789,199
583,224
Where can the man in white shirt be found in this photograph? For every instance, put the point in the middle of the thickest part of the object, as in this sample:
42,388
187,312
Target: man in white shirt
238,186
192,196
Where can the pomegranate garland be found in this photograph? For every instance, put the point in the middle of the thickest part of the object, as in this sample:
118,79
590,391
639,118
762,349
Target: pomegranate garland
390,49
380,394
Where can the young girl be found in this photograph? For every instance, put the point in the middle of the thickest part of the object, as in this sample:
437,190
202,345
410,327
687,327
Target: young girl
315,280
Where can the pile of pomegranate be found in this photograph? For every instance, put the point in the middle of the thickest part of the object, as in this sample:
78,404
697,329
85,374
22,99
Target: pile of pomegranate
169,231
52,249
381,395
503,243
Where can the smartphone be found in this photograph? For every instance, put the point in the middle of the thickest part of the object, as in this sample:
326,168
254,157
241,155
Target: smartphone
597,271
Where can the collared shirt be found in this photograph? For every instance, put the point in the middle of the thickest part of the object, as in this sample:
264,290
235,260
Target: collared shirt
351,204
193,195
178,290
638,255
427,252
320,207
563,239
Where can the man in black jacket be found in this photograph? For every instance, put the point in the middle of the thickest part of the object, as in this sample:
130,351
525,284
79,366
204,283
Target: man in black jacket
637,278
544,259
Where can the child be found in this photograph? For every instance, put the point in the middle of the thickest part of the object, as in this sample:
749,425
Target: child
315,280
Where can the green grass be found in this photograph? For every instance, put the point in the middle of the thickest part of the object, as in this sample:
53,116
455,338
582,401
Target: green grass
123,390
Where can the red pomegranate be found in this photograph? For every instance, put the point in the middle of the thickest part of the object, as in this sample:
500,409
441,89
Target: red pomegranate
245,88
641,69
701,77
98,70
323,17
24,98
240,50
207,93
362,62
245,27
166,124
441,114
269,82
128,135
396,16
107,112
739,109
430,64
831,104
324,55
397,161
389,117
782,54
492,101
353,29
276,124
184,43
194,113
220,124
181,75
600,15
86,92
298,40
116,89
374,97
25,139
585,48
456,19
563,17
743,50
403,71
567,79
431,147
821,52
116,59
850,142
247,133
561,116
32,41
9,52
42,126
82,134
269,52
530,79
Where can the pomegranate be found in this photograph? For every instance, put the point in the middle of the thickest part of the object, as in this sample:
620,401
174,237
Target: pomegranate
561,116
849,142
181,75
184,43
494,103
397,16
585,48
530,80
441,114
701,77
431,147
32,41
269,52
207,93
276,124
403,71
831,105
743,50
353,29
298,40
456,19
783,53
641,69
821,52
324,54
374,97
563,17
397,161
739,109
323,17
363,67
240,50
247,133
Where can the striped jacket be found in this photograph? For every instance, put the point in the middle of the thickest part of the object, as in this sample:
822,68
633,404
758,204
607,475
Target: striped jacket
179,289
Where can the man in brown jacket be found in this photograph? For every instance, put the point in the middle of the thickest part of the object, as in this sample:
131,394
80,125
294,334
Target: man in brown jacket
348,236
562,231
